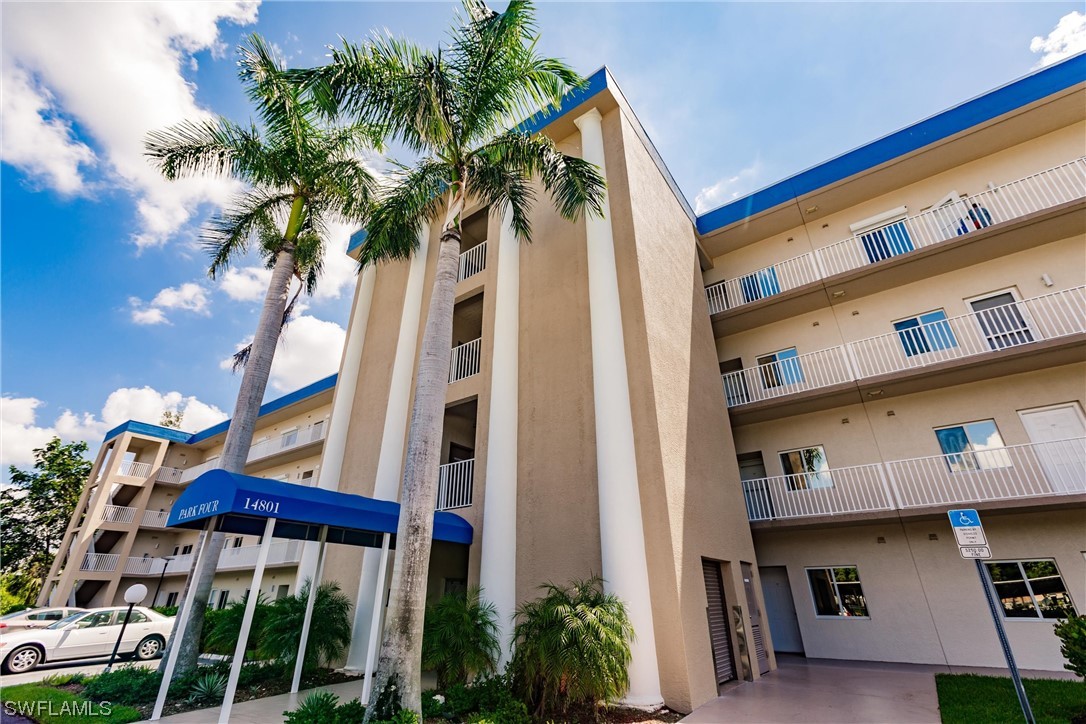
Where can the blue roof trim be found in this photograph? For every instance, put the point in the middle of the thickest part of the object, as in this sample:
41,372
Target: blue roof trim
230,495
356,240
983,108
597,83
144,428
278,404
167,433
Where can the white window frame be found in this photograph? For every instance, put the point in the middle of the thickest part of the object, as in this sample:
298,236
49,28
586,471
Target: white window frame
974,453
879,220
814,603
825,457
920,325
1032,596
1031,326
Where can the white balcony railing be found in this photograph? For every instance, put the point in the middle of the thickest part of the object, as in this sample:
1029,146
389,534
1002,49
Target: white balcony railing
1050,316
168,476
118,514
179,564
465,360
143,566
454,484
1003,473
282,552
155,518
99,562
472,262
265,448
1036,192
133,469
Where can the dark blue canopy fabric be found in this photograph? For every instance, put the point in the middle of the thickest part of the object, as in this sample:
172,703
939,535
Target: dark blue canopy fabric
244,503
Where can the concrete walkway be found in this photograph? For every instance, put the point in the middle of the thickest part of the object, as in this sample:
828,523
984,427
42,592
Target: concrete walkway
265,711
821,690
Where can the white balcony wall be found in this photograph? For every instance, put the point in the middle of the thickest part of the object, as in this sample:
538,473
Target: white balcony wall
465,360
454,486
265,448
118,514
472,262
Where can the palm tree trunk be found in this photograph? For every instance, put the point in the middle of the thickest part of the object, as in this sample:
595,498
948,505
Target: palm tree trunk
401,650
239,436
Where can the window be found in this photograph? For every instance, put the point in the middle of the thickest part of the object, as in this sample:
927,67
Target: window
290,437
176,550
224,598
780,368
307,477
1030,589
762,283
806,468
95,620
54,615
171,598
924,333
973,446
185,550
135,617
884,235
837,591
1001,320
237,542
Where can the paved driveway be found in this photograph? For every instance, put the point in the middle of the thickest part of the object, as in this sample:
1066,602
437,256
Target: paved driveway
810,691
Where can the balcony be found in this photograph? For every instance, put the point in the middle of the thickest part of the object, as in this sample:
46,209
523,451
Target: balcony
472,262
1012,473
465,360
132,469
454,485
99,562
290,440
168,476
280,553
118,514
956,218
154,518
988,332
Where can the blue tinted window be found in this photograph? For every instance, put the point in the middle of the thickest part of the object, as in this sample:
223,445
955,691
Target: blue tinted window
929,331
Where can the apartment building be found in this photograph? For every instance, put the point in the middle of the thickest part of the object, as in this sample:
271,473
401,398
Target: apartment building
750,423
118,535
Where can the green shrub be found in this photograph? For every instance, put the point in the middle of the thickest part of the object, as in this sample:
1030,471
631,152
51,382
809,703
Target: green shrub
223,627
460,637
208,686
572,646
63,679
165,610
1071,632
262,672
432,707
133,685
329,637
317,708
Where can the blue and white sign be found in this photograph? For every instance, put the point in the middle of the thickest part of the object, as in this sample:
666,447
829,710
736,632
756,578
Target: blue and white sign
969,533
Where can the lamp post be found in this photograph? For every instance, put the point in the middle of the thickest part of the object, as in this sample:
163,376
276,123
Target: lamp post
165,564
135,594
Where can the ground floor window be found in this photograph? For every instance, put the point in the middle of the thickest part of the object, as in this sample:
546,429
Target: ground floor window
837,592
171,598
1030,589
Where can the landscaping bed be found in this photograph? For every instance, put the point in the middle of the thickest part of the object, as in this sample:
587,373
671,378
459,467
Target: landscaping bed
973,699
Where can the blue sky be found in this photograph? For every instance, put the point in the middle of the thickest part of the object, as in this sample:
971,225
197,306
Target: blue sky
107,309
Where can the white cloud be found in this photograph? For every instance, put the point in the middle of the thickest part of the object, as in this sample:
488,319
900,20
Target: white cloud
247,283
340,270
309,349
1066,39
728,188
188,297
21,432
115,70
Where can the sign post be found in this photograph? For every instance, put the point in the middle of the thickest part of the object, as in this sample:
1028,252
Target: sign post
972,544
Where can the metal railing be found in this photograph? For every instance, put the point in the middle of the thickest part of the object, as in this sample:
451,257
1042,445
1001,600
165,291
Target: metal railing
465,360
960,216
454,484
265,448
133,469
168,476
155,518
472,262
118,514
99,562
1049,316
281,552
148,566
1032,470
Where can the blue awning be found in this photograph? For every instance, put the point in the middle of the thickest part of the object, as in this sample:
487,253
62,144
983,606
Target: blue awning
244,503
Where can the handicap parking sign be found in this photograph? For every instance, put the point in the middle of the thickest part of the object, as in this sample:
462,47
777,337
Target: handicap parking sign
969,533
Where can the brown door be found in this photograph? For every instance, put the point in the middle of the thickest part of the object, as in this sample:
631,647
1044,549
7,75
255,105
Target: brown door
718,622
755,620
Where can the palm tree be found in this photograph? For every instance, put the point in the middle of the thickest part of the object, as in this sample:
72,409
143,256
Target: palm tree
452,108
300,175
460,637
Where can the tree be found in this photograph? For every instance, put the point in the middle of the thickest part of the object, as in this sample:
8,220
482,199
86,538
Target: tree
35,511
460,637
172,418
301,174
452,108
329,637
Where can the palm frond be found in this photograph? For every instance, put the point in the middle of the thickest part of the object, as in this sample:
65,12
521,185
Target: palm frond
397,216
227,234
208,147
280,102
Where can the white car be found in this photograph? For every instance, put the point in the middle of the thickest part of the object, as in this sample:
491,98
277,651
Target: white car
35,618
87,634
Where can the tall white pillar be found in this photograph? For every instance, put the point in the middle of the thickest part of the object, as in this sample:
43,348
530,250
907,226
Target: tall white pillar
622,535
390,459
335,441
498,561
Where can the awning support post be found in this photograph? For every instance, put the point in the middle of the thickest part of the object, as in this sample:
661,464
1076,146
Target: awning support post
247,622
375,620
182,624
311,601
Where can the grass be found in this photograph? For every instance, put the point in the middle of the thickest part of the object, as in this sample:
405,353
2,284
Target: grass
972,699
49,705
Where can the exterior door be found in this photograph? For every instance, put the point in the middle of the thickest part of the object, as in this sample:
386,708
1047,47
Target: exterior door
755,490
780,610
719,637
1002,321
1062,451
757,633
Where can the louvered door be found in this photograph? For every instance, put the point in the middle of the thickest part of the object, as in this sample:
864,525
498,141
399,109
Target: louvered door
719,638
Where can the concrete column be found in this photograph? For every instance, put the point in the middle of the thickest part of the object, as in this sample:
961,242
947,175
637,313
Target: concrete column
622,536
498,561
335,442
390,460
